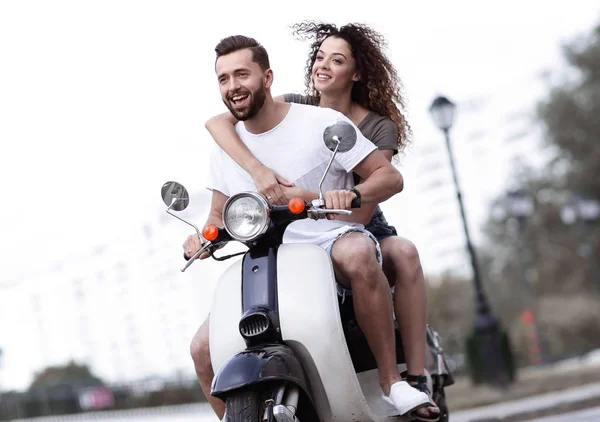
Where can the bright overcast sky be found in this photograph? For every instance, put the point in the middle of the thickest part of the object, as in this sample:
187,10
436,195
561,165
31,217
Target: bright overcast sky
103,101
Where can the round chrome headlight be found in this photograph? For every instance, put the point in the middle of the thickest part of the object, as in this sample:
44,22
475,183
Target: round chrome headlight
246,216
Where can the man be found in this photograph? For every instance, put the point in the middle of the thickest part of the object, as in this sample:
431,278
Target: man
289,139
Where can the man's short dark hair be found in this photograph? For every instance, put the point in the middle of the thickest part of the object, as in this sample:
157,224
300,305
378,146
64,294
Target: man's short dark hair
240,42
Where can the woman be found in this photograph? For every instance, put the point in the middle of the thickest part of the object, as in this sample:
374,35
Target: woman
347,71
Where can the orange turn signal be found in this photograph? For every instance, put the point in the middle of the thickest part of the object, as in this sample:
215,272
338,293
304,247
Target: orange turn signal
210,232
296,205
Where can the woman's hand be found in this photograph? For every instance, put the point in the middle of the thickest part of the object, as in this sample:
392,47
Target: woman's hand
270,184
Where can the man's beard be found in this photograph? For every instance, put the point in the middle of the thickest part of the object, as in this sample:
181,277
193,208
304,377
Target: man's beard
256,101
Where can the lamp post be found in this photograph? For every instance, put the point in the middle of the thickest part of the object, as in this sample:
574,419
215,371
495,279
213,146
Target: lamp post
518,205
488,342
586,211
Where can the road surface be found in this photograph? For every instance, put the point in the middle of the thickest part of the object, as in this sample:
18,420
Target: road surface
587,415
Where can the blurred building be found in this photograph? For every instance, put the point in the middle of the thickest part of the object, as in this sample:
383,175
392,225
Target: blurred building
124,308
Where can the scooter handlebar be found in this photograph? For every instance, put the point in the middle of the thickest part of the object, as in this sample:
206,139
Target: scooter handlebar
206,247
320,213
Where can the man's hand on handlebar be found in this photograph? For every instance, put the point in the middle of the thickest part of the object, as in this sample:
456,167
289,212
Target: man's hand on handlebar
192,245
338,199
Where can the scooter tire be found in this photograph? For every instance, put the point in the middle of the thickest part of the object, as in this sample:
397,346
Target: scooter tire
247,405
439,398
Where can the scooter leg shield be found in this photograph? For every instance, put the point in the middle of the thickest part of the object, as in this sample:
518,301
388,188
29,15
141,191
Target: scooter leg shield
310,324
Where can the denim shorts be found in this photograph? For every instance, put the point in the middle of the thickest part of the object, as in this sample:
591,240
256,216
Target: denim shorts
341,290
379,226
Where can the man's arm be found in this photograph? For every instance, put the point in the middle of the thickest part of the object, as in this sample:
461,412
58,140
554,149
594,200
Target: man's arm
215,215
365,212
379,182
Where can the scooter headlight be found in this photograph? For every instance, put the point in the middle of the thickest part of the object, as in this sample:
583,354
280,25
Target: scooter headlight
246,216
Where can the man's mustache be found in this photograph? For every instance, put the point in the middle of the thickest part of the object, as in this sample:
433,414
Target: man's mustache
243,92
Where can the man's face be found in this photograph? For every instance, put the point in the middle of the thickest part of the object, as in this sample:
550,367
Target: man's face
241,82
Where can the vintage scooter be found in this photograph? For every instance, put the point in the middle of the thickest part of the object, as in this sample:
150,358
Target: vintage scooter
283,345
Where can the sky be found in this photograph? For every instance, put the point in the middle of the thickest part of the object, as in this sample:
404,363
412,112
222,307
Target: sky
101,102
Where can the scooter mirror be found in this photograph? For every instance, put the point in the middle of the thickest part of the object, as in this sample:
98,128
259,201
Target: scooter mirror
345,133
175,196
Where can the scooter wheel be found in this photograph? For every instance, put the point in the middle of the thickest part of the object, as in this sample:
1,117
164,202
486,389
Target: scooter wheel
439,397
247,405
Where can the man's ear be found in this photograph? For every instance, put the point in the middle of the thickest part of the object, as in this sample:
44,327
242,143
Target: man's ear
268,78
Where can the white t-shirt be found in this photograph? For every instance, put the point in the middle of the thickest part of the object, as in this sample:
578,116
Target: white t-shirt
295,149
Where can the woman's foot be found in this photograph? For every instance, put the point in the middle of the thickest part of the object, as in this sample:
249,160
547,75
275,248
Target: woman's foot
430,413
406,398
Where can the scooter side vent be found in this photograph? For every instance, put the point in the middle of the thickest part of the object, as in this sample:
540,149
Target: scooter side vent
254,325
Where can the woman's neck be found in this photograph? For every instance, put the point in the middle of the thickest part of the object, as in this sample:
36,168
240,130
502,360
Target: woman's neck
341,103
344,105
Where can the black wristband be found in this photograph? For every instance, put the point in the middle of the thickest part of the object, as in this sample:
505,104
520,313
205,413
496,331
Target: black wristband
356,202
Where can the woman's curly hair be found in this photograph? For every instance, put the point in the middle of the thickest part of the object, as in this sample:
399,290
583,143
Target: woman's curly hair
379,88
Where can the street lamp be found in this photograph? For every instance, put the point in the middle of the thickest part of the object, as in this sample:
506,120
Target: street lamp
442,113
1,352
519,205
580,207
488,336
586,210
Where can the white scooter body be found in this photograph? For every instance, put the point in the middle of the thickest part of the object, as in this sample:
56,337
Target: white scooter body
311,326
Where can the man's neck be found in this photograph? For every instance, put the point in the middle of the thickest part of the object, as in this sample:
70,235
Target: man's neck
270,115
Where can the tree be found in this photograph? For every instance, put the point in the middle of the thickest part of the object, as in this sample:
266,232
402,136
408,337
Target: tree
558,276
570,116
71,374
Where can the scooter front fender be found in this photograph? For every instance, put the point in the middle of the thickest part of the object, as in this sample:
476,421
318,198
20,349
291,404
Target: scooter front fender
252,366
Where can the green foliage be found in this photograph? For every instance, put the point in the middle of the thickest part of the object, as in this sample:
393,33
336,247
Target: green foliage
570,117
71,374
541,262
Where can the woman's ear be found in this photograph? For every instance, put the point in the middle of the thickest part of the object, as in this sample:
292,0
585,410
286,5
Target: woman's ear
356,77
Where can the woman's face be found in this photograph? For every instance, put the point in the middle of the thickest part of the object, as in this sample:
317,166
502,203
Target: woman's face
334,68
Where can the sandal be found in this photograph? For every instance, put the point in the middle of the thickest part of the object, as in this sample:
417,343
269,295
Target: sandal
430,413
406,398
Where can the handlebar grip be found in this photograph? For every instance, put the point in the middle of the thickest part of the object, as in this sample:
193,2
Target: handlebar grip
187,258
207,247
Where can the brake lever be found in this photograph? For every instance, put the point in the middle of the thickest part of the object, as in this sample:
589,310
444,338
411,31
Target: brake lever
342,212
203,249
321,213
